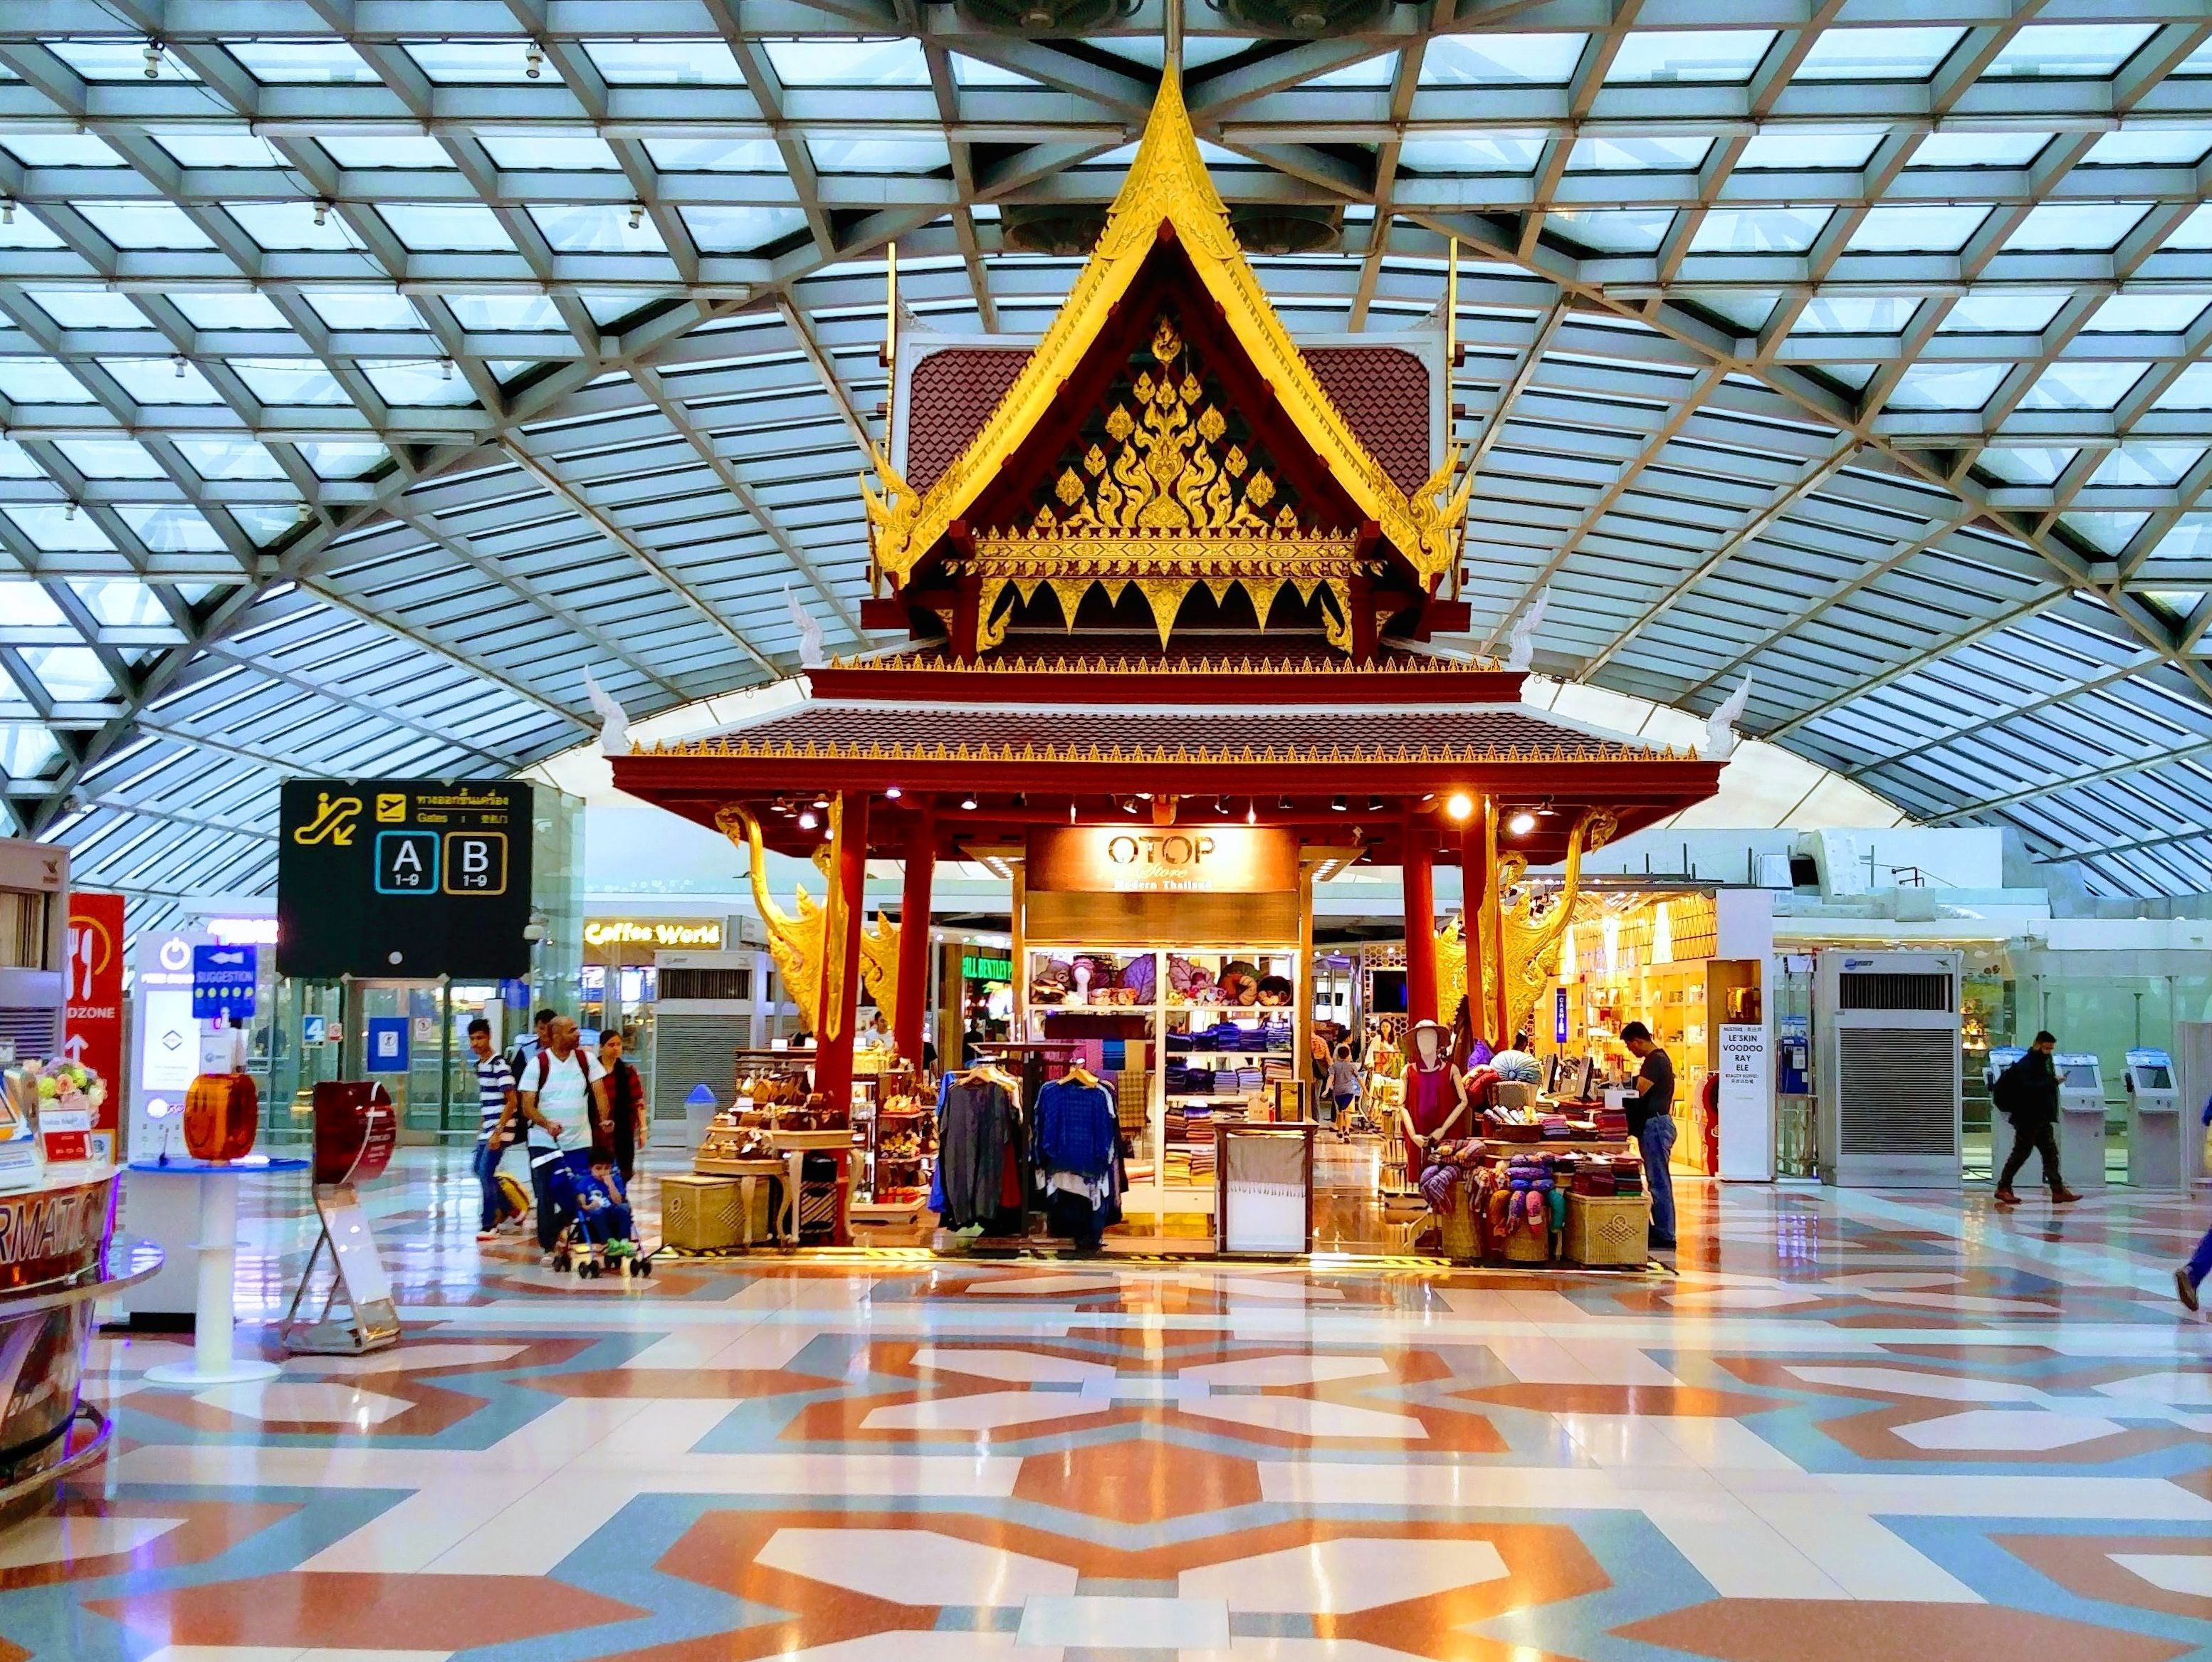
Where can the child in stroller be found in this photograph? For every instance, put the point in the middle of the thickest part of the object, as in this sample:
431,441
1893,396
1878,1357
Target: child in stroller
597,1232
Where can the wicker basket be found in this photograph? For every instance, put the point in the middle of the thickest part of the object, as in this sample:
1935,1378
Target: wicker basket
1526,1245
704,1214
1609,1231
1462,1228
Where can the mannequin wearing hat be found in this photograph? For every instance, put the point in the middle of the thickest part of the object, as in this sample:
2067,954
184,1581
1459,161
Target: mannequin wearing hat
1436,1094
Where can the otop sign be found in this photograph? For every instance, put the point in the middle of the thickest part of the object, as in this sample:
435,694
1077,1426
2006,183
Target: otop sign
675,934
1163,859
404,879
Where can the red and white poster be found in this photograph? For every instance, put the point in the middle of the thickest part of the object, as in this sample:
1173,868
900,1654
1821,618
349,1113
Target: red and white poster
93,1027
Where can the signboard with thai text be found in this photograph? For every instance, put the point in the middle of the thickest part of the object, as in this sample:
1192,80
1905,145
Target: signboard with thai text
403,878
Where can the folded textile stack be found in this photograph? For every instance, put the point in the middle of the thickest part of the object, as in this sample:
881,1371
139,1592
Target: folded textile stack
1176,1168
1203,1158
1556,1125
1609,1124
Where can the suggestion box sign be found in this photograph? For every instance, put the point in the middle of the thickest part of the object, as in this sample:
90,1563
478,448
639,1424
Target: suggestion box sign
404,879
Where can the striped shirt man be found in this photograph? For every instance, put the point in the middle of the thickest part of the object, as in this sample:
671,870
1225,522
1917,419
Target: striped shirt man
493,1081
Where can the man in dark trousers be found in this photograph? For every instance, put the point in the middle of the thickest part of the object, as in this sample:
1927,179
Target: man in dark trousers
1651,1123
2027,1094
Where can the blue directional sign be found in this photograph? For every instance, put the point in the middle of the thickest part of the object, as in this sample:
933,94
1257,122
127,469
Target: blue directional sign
387,1045
223,979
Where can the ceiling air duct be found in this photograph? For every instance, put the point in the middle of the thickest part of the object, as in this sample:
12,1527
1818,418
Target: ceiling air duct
1042,17
1305,19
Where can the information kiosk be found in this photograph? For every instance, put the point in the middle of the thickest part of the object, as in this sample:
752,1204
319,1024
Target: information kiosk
2080,1118
2155,1122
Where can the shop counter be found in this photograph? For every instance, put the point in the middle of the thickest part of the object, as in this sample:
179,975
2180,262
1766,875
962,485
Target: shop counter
54,1239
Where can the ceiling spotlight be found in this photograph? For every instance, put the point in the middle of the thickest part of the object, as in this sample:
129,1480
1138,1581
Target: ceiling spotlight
636,215
1252,813
1374,804
178,361
806,820
533,61
968,800
892,793
322,213
1283,804
1129,806
1221,805
445,368
70,513
1337,802
821,801
306,512
1021,798
1521,823
1545,811
153,58
8,211
1071,810
1460,806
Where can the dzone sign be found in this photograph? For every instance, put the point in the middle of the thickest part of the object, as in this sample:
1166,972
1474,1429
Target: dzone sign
1217,859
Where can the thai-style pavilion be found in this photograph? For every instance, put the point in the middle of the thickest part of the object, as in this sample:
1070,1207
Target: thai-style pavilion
1168,554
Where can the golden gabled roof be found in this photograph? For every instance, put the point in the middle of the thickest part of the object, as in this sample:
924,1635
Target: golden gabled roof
1169,182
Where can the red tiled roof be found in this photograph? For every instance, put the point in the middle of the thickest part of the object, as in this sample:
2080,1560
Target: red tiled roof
868,730
951,395
1383,392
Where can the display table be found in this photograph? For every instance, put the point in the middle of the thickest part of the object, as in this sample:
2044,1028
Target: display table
206,1192
54,1239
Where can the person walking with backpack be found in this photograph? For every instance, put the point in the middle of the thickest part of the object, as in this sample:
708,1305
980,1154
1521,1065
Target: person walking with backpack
2027,1094
564,1094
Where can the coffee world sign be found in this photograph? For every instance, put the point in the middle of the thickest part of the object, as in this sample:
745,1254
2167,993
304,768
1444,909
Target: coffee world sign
1163,859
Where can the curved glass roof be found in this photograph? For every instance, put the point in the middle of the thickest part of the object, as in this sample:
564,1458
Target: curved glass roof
361,389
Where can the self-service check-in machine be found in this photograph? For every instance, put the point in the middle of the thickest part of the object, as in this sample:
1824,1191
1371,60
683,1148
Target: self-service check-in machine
2080,1118
2155,1129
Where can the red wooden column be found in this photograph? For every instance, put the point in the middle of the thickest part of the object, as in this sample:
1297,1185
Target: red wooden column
1419,863
913,931
1475,868
841,946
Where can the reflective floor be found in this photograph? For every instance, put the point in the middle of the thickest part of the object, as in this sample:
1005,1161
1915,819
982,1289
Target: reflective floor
1862,1427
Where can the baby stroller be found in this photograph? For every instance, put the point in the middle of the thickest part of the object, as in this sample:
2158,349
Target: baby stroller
599,1233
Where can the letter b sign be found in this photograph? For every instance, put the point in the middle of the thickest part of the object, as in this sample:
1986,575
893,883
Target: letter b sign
475,862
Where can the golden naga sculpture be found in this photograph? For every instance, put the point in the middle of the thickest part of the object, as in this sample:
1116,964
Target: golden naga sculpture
1168,185
1532,940
879,954
794,942
1451,965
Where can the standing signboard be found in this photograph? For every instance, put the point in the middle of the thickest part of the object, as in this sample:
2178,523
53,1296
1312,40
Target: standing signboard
403,878
92,1029
222,981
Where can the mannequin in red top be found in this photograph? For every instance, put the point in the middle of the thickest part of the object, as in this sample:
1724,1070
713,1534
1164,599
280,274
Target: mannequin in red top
1436,1096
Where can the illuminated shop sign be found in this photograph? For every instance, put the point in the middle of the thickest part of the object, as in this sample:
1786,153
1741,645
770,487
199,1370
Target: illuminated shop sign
973,968
700,934
1151,859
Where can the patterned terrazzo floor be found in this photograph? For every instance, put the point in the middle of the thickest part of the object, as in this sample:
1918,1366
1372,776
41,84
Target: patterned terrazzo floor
1851,1426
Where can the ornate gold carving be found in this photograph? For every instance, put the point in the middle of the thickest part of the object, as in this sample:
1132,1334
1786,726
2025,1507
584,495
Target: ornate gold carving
1240,666
743,746
1531,939
879,949
1164,475
795,942
1168,183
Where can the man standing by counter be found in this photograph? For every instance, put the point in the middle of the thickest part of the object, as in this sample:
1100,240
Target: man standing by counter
1651,1123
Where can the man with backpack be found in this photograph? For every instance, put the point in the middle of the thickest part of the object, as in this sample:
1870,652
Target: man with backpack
564,1093
2027,1094
528,1049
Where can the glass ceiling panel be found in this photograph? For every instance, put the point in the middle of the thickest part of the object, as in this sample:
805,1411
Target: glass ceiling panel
1473,152
1977,149
1606,231
2147,313
848,63
479,312
1918,230
362,308
1877,54
1637,155
58,150
1759,231
1690,55
2002,312
975,72
845,154
88,308
160,380
338,460
122,604
563,152
275,225
2152,464
2027,467
2150,147
1946,386
664,63
218,151
385,151
2194,232
109,459
741,230
145,225
1809,151
286,61
716,156
446,227
2082,385
117,60
217,311
2096,226
229,459
1499,60
2069,49
40,380
1377,71
458,63
604,230
172,530
1845,314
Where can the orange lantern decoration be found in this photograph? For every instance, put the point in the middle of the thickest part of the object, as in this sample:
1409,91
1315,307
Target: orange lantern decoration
222,1114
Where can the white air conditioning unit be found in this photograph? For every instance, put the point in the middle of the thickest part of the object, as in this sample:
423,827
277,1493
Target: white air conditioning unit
1886,1047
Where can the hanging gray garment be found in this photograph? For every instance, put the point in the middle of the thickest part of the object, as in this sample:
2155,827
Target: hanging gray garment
971,1143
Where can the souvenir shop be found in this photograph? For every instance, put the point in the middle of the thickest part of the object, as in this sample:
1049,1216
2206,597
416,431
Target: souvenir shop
1171,579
